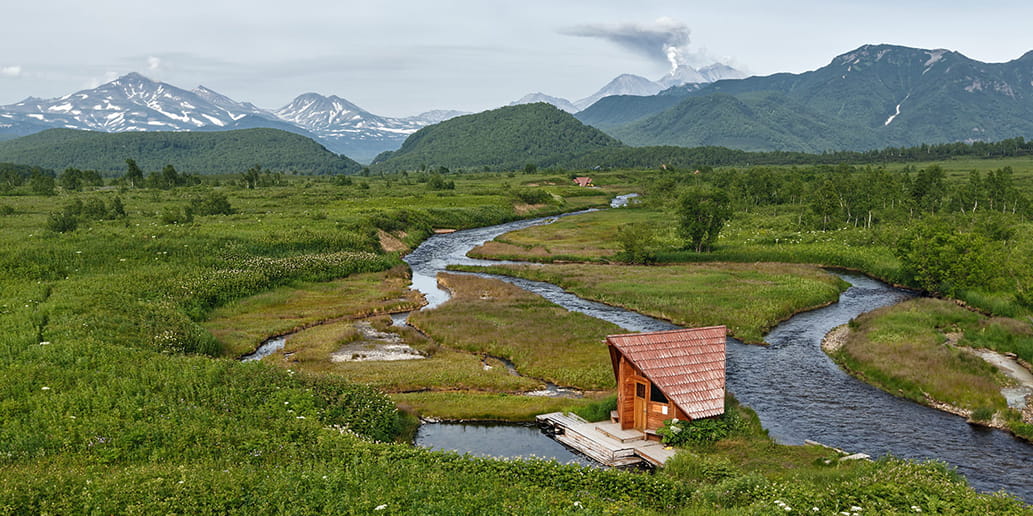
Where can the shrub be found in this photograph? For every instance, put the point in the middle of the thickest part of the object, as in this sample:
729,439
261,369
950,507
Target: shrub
700,431
183,215
215,203
62,222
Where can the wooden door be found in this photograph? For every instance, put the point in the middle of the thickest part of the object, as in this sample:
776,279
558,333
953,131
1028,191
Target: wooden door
641,404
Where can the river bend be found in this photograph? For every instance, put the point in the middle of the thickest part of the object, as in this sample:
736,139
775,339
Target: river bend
796,390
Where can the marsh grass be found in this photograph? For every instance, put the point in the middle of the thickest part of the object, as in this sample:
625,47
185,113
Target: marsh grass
444,369
543,340
242,325
748,298
903,350
489,406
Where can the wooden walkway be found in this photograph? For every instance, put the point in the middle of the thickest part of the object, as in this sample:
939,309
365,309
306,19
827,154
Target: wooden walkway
604,442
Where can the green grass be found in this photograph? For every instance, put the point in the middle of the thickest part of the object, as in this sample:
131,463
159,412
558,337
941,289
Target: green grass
115,399
443,370
903,350
542,339
748,299
486,406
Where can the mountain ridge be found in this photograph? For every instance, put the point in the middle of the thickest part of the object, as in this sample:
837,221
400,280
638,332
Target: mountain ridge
870,97
135,103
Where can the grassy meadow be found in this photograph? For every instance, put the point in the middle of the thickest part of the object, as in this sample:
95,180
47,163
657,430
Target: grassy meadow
542,340
120,392
747,298
915,350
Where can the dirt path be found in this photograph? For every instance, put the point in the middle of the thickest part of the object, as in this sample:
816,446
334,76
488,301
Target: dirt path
1018,396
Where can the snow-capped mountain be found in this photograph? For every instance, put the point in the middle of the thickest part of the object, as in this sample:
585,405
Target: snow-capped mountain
625,84
559,102
683,74
135,103
341,124
629,84
720,71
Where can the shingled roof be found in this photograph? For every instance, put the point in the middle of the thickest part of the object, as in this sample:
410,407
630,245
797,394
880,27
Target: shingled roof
688,365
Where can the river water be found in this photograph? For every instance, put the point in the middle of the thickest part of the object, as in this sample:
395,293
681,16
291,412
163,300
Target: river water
796,390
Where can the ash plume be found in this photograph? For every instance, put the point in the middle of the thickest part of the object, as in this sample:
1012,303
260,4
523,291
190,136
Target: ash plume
664,41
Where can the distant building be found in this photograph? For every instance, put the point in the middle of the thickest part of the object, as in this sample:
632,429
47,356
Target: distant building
583,181
668,374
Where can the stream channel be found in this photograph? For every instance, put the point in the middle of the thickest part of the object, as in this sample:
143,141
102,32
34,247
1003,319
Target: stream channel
797,391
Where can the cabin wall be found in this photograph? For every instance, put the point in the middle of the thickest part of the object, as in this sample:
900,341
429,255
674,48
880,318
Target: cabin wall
626,395
656,416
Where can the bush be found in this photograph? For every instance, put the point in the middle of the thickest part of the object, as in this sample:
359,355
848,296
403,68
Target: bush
532,195
62,222
215,203
183,215
700,431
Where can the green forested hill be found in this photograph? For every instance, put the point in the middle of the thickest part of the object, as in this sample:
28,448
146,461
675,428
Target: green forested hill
504,138
873,97
192,152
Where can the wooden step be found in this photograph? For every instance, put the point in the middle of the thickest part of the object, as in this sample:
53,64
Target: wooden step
655,453
614,431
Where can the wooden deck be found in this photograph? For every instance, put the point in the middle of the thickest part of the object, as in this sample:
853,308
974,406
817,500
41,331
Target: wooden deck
605,442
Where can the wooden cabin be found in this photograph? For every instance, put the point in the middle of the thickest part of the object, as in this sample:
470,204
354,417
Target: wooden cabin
668,374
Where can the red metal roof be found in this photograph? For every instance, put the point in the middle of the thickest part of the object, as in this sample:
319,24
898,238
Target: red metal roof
688,365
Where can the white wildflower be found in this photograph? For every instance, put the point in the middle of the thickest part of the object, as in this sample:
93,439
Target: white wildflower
45,388
380,507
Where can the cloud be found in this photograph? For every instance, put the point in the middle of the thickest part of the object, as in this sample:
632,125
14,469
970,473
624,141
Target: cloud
153,63
665,41
11,71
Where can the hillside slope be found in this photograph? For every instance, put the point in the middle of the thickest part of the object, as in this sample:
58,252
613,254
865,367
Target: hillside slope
875,96
504,138
219,152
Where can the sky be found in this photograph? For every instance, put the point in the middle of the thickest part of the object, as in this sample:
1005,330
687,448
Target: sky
404,57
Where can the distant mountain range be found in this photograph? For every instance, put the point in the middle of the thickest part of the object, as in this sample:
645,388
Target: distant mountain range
873,97
629,84
134,103
876,96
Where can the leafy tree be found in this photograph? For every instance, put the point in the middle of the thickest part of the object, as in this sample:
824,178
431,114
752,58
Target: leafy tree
133,174
251,176
702,213
71,179
638,243
41,184
929,189
116,209
944,260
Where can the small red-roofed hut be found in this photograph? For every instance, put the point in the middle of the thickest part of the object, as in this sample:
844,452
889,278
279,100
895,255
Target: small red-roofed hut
668,374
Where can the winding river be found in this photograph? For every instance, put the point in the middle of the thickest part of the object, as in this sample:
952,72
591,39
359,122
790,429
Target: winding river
797,391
